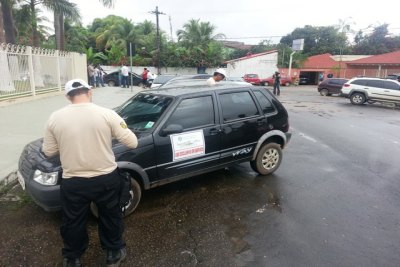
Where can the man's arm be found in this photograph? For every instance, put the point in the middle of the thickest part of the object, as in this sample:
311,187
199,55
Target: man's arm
50,145
121,132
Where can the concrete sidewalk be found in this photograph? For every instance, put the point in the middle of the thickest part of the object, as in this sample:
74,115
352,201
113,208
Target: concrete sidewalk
22,121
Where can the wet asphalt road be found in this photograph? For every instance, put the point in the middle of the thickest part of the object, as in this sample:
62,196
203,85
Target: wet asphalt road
333,202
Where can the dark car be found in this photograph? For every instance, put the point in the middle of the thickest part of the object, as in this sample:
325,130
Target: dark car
180,78
161,79
113,79
394,76
331,86
304,80
182,131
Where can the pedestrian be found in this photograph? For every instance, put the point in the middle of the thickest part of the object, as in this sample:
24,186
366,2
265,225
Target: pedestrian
277,83
150,78
144,77
91,74
81,133
99,76
124,76
219,75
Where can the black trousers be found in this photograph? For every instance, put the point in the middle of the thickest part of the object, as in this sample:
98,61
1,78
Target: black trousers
76,195
277,89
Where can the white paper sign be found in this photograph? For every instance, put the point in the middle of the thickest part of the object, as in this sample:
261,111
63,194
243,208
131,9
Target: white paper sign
187,145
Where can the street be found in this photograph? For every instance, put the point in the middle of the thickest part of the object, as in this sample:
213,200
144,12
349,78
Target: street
333,202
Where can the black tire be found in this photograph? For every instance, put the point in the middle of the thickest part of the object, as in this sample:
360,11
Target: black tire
266,83
140,84
262,84
136,195
268,159
324,92
111,83
287,83
357,99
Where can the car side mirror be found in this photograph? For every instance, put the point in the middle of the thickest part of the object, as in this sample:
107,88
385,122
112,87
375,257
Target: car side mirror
171,129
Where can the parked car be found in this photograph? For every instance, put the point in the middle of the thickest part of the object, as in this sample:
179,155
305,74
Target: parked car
236,80
284,81
304,80
187,77
253,79
371,90
331,86
161,79
238,123
112,79
394,76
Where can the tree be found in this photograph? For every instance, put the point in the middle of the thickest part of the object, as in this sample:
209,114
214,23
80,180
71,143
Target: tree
8,20
378,42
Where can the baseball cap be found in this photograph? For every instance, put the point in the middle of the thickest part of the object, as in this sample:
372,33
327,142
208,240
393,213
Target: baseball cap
76,84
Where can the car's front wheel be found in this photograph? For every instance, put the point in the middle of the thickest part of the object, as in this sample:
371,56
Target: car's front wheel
287,83
268,159
324,92
357,98
111,83
266,83
136,195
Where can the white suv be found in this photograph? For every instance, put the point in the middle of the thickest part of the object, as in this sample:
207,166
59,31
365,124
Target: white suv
361,90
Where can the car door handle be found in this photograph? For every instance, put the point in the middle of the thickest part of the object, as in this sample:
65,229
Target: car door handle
215,131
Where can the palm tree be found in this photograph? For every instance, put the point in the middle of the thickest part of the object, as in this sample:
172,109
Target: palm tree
8,21
197,33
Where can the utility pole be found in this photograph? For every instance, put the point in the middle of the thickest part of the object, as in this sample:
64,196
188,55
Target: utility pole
156,12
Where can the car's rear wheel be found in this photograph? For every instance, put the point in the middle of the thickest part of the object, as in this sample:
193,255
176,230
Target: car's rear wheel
136,195
357,98
268,159
111,83
324,92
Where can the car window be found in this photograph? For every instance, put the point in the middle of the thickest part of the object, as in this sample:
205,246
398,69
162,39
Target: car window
193,112
143,111
360,82
375,83
237,105
391,85
265,104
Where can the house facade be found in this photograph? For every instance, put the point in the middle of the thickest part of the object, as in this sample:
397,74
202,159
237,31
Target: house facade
264,64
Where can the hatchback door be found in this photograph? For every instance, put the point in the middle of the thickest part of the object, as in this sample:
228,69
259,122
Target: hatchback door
194,143
241,123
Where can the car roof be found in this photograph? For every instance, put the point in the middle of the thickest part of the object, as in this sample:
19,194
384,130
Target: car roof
195,86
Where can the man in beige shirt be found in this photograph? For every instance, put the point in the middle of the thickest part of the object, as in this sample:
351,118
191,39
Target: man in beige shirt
219,75
82,133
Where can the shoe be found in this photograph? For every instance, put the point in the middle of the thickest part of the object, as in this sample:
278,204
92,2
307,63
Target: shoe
71,262
115,257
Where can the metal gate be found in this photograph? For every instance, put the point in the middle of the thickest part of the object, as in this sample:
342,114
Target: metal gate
26,70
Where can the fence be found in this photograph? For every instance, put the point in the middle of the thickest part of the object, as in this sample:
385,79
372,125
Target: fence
27,71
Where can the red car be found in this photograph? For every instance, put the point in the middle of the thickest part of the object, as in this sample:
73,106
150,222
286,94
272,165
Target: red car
253,79
286,81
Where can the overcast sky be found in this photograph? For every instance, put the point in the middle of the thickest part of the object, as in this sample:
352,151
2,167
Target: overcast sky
249,21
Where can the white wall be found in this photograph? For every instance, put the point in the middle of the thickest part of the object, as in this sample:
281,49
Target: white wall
264,66
166,70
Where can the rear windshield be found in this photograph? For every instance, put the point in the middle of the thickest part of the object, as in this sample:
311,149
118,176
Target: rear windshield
163,79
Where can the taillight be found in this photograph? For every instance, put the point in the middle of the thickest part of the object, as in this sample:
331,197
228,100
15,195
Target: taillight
346,85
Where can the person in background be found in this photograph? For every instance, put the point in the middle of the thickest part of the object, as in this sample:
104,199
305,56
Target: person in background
91,74
150,78
124,76
144,77
99,76
81,133
277,83
219,75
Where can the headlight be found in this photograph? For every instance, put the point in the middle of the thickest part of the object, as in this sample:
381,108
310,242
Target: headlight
45,178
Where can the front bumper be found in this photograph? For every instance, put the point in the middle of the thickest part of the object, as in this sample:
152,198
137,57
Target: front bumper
47,197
